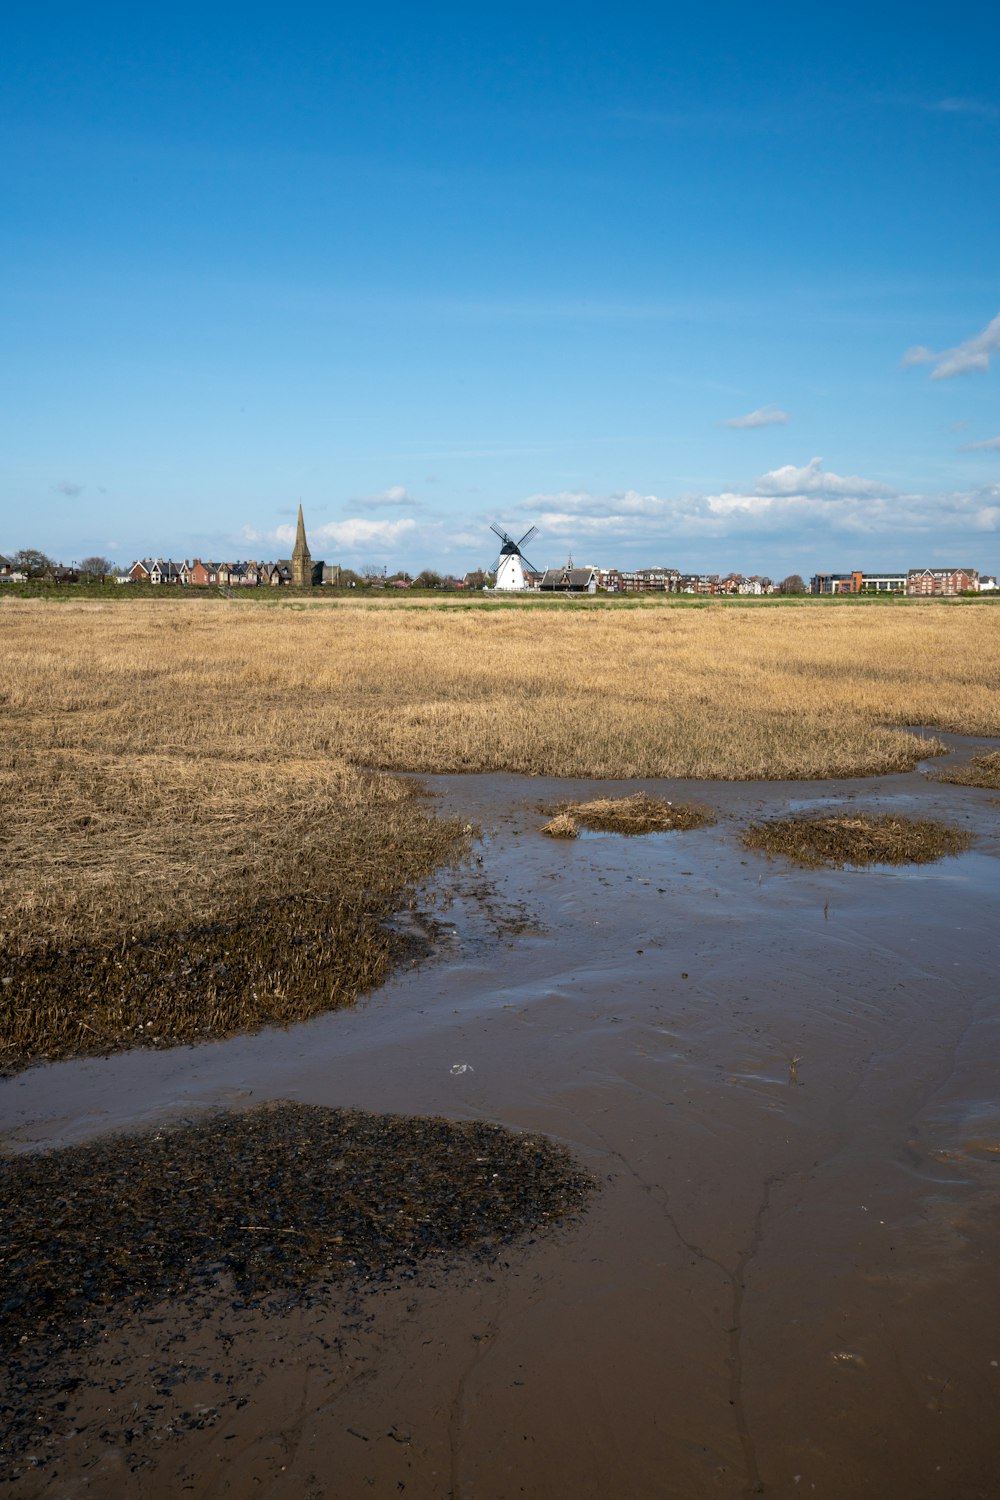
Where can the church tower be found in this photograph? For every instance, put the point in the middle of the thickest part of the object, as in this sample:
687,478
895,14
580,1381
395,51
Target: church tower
302,567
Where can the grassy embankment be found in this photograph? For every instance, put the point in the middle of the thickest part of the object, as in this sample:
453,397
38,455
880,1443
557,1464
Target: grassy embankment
193,845
382,596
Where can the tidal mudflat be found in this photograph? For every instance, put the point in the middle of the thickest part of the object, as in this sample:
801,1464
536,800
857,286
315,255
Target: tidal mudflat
783,1081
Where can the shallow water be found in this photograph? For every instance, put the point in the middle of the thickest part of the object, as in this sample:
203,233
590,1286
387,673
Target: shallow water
785,1080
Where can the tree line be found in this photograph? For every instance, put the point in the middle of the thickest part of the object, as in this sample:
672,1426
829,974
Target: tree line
38,564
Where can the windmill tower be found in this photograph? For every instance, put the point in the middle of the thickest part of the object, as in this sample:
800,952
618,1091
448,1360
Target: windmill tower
510,565
302,568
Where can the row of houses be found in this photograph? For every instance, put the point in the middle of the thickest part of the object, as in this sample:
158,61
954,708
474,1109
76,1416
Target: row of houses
915,582
199,574
569,579
12,572
672,581
660,580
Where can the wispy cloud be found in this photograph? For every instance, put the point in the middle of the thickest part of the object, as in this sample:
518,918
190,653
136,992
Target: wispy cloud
69,487
965,358
979,107
987,445
396,494
764,416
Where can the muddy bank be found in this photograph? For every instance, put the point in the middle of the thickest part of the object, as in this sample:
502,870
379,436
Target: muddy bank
785,1080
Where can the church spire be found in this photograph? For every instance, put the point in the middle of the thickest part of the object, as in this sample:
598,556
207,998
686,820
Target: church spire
301,557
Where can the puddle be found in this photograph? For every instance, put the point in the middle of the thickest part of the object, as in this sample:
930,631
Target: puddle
784,1080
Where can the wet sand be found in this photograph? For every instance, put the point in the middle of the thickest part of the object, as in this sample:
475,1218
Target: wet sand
785,1081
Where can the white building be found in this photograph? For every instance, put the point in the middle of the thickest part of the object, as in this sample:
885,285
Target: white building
510,568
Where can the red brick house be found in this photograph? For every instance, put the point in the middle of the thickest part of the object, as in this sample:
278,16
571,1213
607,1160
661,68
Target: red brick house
941,582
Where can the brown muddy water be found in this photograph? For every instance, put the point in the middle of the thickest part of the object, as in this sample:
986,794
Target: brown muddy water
785,1081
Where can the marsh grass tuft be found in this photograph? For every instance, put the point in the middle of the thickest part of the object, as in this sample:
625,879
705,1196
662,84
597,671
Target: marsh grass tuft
639,813
856,839
562,826
982,770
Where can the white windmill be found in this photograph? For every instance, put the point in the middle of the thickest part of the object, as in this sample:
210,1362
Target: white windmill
510,565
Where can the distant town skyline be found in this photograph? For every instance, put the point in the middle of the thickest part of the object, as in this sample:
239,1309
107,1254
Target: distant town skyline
709,290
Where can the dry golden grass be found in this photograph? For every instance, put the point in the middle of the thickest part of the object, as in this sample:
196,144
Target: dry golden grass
856,839
719,693
202,766
982,770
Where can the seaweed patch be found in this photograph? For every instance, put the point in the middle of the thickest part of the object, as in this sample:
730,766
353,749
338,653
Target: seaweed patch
275,1198
271,1207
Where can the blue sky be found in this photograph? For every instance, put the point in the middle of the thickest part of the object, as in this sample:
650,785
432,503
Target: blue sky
706,286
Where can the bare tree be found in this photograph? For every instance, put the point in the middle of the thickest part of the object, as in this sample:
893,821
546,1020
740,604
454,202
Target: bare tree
33,562
793,584
96,568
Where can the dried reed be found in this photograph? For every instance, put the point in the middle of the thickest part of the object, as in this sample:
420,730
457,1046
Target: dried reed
982,770
637,814
562,826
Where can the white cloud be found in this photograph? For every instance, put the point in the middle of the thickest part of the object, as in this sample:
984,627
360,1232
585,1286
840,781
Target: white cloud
357,532
764,416
791,500
987,445
974,354
813,480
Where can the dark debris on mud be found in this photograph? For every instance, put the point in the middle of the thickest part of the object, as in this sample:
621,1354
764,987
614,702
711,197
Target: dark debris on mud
852,838
273,1198
269,1208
